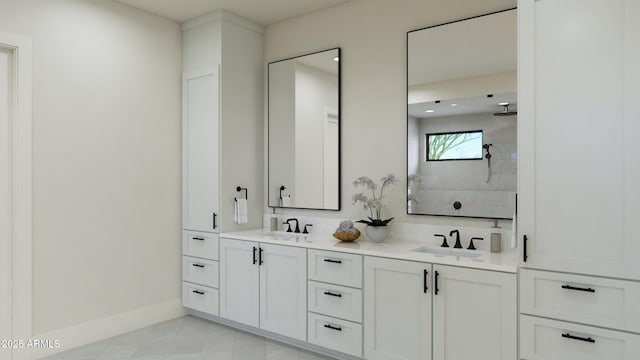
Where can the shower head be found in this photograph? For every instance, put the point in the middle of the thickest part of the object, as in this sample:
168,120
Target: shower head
505,111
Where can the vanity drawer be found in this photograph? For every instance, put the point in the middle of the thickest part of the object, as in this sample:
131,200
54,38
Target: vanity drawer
199,244
334,300
200,271
335,267
200,298
544,339
585,299
339,335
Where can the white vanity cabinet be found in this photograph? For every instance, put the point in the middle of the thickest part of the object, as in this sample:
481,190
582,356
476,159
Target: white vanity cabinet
222,122
397,309
200,271
335,301
474,314
578,120
578,176
265,286
413,310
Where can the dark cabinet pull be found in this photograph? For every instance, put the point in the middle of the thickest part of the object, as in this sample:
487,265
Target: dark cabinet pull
524,249
197,265
425,281
435,283
260,257
198,238
254,255
569,287
214,220
333,261
332,294
336,328
199,292
585,339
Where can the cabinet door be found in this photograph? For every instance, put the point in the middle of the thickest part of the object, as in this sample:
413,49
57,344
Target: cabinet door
239,278
397,309
474,314
200,142
579,85
283,290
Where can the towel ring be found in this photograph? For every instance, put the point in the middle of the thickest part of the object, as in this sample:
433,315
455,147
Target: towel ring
246,192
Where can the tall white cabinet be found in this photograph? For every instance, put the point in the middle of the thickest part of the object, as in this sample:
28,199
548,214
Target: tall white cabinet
579,198
222,124
578,120
222,143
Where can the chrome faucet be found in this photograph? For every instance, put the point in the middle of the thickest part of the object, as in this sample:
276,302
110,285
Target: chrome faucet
297,231
457,245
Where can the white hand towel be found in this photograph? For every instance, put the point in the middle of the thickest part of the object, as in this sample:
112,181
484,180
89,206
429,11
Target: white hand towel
286,201
514,232
241,215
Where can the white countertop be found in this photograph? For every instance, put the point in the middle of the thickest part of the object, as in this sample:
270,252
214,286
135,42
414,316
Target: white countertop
391,248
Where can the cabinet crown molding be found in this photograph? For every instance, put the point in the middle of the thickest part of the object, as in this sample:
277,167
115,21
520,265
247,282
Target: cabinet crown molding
222,16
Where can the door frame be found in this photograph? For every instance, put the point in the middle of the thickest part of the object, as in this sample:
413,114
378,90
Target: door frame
21,163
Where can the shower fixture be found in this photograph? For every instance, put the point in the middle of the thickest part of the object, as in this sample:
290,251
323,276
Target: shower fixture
487,156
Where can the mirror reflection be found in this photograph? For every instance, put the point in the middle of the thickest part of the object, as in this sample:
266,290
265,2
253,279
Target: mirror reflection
304,131
462,118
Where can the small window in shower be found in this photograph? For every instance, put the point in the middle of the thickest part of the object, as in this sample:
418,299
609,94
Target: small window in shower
458,145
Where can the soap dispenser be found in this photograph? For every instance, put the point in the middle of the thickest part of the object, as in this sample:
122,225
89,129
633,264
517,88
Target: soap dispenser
496,238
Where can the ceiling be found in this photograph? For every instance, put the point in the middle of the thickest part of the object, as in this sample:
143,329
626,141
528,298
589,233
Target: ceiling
471,105
263,12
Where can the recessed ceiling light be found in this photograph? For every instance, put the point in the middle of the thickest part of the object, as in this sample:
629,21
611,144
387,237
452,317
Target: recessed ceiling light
336,59
454,104
430,111
503,103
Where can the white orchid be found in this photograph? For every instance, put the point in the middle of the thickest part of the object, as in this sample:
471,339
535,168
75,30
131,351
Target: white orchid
375,202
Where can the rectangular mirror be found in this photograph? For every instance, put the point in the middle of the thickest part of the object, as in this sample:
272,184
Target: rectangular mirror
461,105
304,131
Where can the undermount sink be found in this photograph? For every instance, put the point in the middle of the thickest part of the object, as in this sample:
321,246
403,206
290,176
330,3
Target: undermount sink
448,252
286,236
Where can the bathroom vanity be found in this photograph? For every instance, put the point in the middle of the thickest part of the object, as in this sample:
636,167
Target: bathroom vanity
362,299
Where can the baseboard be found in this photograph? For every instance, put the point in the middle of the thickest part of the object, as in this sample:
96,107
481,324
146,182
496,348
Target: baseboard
87,333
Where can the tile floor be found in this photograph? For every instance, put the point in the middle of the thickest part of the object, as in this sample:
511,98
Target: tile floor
186,338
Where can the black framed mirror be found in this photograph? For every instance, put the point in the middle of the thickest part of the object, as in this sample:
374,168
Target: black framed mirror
304,131
462,106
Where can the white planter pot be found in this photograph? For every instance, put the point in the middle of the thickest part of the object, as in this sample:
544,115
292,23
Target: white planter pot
377,233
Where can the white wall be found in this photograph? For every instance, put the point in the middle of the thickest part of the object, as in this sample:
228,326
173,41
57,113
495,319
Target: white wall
106,135
372,35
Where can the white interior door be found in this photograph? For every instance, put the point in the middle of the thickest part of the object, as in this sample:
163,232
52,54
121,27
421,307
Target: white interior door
6,250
